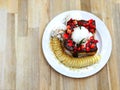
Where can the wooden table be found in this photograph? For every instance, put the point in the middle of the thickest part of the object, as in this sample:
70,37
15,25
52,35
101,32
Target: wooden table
22,63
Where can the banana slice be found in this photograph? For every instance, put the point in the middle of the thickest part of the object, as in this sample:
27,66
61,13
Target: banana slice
62,58
71,61
58,54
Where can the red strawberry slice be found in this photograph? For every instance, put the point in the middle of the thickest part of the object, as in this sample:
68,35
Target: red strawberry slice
70,44
92,30
87,49
75,21
65,36
90,21
69,31
82,47
92,26
87,44
78,48
92,46
79,23
75,49
95,41
70,41
87,27
68,27
92,37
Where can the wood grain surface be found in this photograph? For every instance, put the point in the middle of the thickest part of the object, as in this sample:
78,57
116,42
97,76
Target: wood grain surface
22,63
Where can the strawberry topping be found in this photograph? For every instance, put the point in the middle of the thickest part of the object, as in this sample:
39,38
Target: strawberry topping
92,46
65,36
69,31
87,49
90,43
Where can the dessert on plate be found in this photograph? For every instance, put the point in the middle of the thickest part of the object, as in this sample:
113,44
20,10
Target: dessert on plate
76,46
78,38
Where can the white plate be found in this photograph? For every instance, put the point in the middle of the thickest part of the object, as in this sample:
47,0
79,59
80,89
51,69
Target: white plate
104,46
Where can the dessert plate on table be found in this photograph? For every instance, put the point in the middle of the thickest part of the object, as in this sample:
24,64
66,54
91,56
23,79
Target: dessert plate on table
102,35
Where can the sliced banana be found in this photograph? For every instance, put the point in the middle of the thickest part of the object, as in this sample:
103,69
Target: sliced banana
71,61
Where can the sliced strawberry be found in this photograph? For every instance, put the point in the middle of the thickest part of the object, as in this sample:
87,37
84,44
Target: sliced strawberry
70,44
87,44
68,27
74,51
86,24
82,47
88,41
79,23
95,41
75,21
92,46
92,41
87,49
92,26
87,27
90,21
73,25
92,37
65,36
75,48
92,30
78,48
69,41
69,31
69,22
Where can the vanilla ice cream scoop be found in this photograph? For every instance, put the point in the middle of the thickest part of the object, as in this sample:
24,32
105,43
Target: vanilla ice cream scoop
79,34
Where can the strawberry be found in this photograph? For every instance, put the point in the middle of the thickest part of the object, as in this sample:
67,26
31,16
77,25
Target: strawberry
87,49
74,51
75,48
88,41
92,41
70,44
92,26
68,27
69,31
95,41
78,48
92,37
87,27
82,47
79,23
65,36
69,41
75,22
87,44
90,21
92,30
73,25
92,46
69,22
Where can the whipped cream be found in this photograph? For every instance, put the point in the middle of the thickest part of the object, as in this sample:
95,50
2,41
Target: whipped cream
80,33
